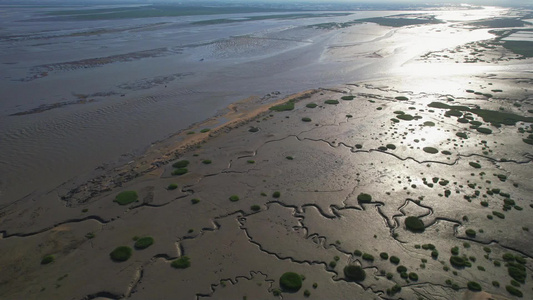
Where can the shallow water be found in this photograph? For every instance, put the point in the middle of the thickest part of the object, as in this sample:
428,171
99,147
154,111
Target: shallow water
87,113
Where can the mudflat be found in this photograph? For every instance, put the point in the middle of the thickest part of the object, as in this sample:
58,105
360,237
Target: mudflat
407,186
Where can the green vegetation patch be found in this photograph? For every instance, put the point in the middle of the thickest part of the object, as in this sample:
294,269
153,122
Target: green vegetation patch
311,105
394,259
462,135
181,263
474,165
144,242
414,224
429,123
331,101
207,161
347,98
364,198
289,105
172,186
290,281
405,117
181,164
47,259
126,197
470,233
234,198
484,130
457,261
180,171
255,207
306,119
368,257
473,286
430,150
355,273
401,98
496,118
514,291
120,254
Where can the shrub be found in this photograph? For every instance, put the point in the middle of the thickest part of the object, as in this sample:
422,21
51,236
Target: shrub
401,269
126,197
181,263
253,129
413,276
473,286
331,102
414,224
401,98
384,255
47,259
405,117
290,281
205,130
368,257
289,105
355,273
457,261
474,165
255,207
306,119
144,243
276,194
395,260
484,130
180,171
357,253
311,105
234,198
251,161
462,135
430,150
206,161
498,214
347,97
364,198
181,164
517,272
172,186
471,233
120,254
195,201
514,291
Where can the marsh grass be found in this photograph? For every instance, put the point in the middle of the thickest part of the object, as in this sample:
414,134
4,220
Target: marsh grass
181,164
355,273
126,197
120,254
181,263
414,224
290,281
180,171
47,259
144,242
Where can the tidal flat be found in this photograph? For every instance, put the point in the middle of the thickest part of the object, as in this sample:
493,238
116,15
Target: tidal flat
357,162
